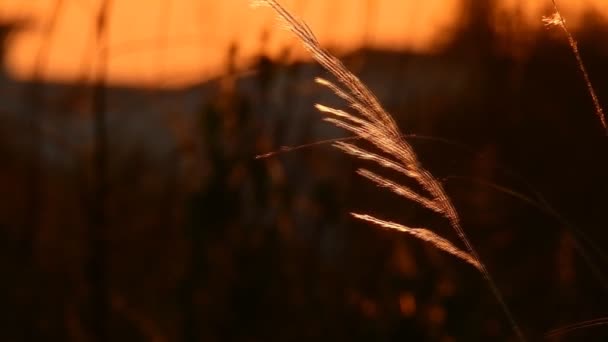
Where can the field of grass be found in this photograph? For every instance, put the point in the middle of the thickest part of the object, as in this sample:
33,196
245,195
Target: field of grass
458,195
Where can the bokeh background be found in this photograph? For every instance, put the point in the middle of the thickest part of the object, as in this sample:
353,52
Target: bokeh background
133,207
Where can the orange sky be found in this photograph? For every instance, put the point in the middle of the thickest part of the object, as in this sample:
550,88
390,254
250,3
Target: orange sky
176,42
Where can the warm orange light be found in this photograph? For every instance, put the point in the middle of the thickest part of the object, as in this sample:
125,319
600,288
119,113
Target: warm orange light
407,304
176,42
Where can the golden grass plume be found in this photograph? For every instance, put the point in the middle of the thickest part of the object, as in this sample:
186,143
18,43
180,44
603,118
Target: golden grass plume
374,125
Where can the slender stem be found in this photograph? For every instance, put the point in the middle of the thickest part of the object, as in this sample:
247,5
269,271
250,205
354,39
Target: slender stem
96,267
437,190
599,111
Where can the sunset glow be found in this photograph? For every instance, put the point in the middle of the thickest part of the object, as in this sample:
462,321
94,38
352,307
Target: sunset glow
177,42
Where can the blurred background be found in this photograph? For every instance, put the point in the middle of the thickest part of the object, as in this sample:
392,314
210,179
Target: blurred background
133,207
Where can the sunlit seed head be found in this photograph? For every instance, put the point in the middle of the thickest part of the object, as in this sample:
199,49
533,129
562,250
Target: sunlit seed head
554,20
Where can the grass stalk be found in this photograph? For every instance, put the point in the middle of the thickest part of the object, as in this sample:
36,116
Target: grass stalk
558,20
96,267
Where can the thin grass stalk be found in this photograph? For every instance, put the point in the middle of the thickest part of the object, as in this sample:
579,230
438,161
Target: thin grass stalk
33,106
576,326
558,20
96,266
33,103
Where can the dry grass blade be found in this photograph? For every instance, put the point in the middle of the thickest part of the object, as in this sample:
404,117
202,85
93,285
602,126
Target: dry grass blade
377,127
366,155
400,190
425,235
340,114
